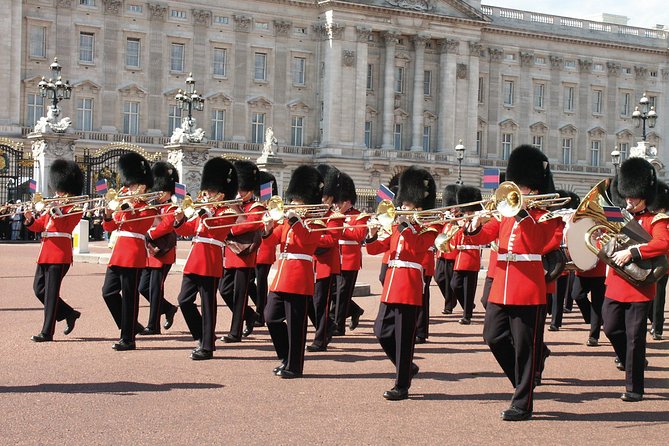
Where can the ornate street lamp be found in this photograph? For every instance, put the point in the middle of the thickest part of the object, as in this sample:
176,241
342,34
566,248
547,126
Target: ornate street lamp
615,159
56,90
459,155
188,101
643,113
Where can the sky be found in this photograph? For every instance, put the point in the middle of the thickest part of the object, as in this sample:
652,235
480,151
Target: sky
644,14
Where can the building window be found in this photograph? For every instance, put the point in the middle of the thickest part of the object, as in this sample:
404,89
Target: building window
260,72
35,109
300,31
594,153
479,141
131,118
539,90
258,128
368,134
427,131
507,145
398,137
569,99
427,83
370,76
87,2
399,79
625,104
86,43
570,64
177,57
481,97
261,25
132,52
540,60
218,125
173,119
538,142
296,130
218,61
178,14
597,101
38,41
624,149
299,70
85,114
508,93
135,9
221,20
651,100
567,144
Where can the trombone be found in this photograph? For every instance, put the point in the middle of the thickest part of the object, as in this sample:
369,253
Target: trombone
114,199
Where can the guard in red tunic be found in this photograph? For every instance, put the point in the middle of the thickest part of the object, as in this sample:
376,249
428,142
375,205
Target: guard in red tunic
162,242
656,314
350,250
239,265
591,281
515,312
625,308
443,271
293,284
468,260
402,296
204,264
129,254
55,256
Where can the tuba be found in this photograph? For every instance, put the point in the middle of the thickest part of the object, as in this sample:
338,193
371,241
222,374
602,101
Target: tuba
593,236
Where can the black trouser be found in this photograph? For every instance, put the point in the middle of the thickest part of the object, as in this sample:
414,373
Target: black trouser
395,328
657,313
319,311
463,285
382,272
152,287
443,274
202,327
258,290
121,295
345,306
48,279
487,286
286,319
563,286
234,289
592,313
514,335
423,315
625,325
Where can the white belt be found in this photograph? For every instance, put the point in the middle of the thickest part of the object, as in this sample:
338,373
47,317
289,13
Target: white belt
511,257
130,234
294,256
56,234
461,247
404,264
211,241
348,242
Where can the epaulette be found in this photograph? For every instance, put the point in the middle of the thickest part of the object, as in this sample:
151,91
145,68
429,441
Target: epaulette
658,217
257,204
318,222
229,211
427,229
360,216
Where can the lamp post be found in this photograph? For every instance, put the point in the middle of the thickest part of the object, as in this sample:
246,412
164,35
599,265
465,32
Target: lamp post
642,113
55,89
459,155
615,159
188,101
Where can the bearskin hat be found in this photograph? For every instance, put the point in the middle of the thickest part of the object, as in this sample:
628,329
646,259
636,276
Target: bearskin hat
637,179
572,203
219,175
529,167
467,194
247,175
450,197
661,202
331,179
417,186
66,176
614,195
347,189
263,178
306,185
165,176
135,169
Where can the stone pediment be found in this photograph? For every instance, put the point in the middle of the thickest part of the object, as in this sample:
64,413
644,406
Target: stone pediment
370,113
87,86
133,90
171,92
440,8
297,105
568,130
508,124
539,127
260,102
624,134
219,98
596,132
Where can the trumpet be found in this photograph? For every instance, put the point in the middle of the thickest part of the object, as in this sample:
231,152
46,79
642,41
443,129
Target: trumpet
384,217
114,200
40,203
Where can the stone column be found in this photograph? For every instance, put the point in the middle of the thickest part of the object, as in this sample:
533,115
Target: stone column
331,34
46,148
446,98
241,78
419,76
360,110
391,38
189,159
472,97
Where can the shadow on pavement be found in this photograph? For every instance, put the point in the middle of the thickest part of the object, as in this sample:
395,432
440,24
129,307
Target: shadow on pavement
623,417
116,387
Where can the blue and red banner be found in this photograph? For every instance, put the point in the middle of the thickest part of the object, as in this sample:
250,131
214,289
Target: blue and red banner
613,213
101,187
266,191
384,193
32,186
490,178
180,190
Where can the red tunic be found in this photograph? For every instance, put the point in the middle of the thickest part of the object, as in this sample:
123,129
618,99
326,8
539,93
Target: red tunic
492,263
350,247
164,226
404,280
468,256
232,260
598,271
555,243
56,246
453,253
130,248
295,272
267,250
621,290
206,253
327,260
519,271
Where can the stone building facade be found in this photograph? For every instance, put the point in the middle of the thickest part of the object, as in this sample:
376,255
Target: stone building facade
371,86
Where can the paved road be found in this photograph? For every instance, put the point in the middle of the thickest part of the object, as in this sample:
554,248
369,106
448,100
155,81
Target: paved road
77,390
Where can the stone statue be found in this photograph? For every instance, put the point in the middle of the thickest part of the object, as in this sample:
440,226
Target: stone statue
185,133
270,142
50,123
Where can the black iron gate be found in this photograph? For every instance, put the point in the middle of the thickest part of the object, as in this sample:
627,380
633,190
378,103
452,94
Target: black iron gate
16,171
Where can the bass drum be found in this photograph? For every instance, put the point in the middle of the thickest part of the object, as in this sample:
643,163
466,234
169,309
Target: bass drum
580,254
